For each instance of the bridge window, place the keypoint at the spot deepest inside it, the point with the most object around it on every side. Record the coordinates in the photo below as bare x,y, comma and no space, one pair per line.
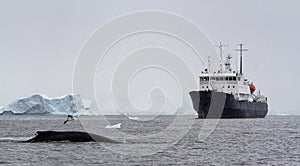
204,78
227,78
221,78
234,78
230,78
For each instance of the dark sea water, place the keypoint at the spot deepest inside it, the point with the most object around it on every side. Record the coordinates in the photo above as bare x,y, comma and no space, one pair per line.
274,140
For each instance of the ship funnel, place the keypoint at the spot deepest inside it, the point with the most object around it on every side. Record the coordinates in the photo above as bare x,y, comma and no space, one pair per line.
241,56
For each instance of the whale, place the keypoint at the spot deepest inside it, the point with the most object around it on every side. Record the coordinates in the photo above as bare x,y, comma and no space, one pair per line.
70,136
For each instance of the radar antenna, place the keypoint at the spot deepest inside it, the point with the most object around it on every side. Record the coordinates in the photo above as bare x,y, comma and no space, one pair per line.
228,63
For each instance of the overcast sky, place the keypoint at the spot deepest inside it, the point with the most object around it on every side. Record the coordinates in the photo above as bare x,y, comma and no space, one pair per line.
40,40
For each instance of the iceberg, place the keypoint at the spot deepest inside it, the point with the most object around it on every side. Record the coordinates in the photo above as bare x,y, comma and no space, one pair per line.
42,105
115,126
133,118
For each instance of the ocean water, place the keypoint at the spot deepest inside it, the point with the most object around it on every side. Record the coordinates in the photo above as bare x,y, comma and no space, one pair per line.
273,140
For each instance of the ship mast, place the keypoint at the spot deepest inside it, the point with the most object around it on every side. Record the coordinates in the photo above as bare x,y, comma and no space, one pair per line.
220,46
208,64
241,57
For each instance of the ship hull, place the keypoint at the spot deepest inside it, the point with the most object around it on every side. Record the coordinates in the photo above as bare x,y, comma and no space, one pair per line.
210,104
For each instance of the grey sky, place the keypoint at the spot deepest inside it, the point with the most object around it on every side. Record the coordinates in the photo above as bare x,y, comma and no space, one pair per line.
40,40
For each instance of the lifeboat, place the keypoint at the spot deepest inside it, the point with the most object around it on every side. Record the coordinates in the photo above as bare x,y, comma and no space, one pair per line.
252,88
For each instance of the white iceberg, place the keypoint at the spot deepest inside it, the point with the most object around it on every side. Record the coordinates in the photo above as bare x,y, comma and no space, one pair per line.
39,104
133,118
115,126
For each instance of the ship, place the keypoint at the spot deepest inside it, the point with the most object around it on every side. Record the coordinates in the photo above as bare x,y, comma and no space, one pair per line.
227,93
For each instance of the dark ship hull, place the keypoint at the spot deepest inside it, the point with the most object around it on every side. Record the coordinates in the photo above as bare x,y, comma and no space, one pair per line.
210,104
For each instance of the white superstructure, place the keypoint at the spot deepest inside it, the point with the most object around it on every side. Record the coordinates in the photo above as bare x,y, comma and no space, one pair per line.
229,81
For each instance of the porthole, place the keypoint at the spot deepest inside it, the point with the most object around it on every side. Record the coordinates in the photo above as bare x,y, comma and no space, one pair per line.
228,86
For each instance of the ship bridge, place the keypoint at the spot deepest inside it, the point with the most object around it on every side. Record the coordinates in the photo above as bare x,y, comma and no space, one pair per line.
231,83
